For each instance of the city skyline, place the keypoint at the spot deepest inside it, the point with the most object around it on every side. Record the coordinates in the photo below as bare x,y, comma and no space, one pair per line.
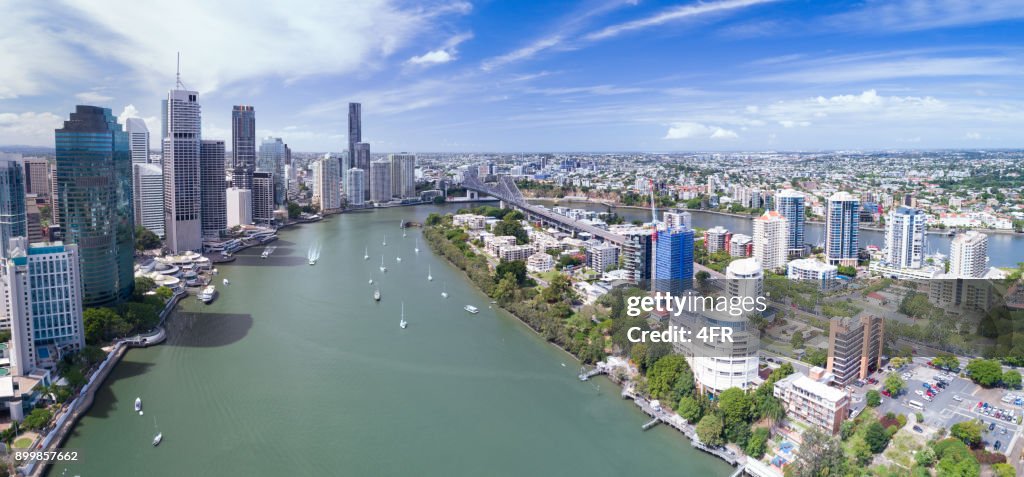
591,76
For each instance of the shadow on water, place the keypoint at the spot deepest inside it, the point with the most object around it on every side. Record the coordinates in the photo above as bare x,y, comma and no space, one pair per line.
105,401
207,330
274,260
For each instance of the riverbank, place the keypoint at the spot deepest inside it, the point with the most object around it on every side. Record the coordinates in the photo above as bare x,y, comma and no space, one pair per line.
748,216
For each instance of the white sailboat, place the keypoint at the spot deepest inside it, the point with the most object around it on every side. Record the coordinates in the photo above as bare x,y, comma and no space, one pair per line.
376,295
398,259
417,249
430,277
227,282
382,267
366,253
159,435
444,290
385,242
403,323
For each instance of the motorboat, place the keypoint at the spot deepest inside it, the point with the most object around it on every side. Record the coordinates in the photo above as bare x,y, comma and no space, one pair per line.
430,277
403,323
366,254
159,437
208,293
382,267
138,405
376,294
444,291
472,309
227,282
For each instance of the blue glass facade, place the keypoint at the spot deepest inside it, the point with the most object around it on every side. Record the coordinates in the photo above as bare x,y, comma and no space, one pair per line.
12,202
673,260
842,229
94,190
791,206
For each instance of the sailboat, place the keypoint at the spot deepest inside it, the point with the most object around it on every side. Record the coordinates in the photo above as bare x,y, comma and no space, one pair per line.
366,254
444,291
159,435
385,242
398,259
403,323
417,249
376,295
430,277
382,267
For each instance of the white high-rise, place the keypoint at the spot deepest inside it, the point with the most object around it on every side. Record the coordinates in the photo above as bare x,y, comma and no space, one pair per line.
771,240
326,190
41,290
354,193
239,206
148,187
138,140
905,237
677,218
181,161
380,181
744,278
403,175
968,255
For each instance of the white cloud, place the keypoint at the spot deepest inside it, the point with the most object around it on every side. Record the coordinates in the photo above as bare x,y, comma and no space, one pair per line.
152,122
229,42
34,58
692,130
910,15
973,135
860,69
447,52
526,52
671,14
93,97
28,128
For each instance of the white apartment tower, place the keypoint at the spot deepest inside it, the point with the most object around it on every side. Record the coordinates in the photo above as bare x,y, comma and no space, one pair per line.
239,206
905,237
148,187
326,190
771,240
403,175
181,161
138,140
968,255
354,181
380,181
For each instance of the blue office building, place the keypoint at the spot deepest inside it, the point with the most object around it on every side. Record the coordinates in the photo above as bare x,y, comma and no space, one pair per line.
12,200
842,229
790,204
673,260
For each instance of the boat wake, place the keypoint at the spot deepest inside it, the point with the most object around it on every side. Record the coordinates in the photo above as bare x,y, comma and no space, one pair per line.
314,253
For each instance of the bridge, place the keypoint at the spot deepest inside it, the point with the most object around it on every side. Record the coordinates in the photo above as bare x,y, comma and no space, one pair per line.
507,191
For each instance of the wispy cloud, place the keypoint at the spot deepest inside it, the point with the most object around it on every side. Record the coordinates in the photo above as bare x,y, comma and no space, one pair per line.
864,68
446,53
93,97
522,53
671,15
28,128
691,130
911,15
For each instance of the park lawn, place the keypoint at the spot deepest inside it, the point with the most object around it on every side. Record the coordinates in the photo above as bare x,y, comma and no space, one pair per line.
902,448
22,443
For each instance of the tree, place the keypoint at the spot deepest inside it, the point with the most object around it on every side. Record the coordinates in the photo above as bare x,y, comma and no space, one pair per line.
861,450
1003,470
558,289
735,407
821,455
874,398
37,419
968,432
709,430
662,376
145,239
876,437
702,279
512,228
294,210
439,200
689,409
986,372
798,340
516,267
756,445
1011,379
925,457
506,288
164,293
894,384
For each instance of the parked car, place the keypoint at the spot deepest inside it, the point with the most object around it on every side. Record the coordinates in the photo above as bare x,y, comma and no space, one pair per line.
996,447
918,429
958,398
886,393
991,426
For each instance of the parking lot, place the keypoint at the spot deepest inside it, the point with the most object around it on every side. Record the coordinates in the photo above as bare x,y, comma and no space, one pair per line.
945,410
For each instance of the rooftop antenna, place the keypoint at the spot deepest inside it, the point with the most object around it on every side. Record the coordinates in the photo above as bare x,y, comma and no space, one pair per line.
177,77
654,214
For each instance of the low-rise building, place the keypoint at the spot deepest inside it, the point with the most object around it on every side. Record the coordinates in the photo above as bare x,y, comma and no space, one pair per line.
740,245
470,221
540,262
813,402
509,253
810,269
494,243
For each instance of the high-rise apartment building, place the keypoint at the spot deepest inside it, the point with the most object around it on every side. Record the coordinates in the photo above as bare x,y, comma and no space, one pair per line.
380,181
148,189
677,218
744,278
403,175
181,166
354,193
968,255
842,229
13,222
239,206
637,255
790,204
716,239
855,347
213,186
355,134
42,301
37,178
273,154
771,240
33,219
673,260
138,140
94,190
905,237
262,197
243,146
361,160
326,189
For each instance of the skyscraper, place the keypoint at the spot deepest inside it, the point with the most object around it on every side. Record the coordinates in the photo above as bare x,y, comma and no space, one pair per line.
37,178
855,347
213,186
94,190
403,175
842,228
673,260
905,237
355,135
181,166
968,255
380,181
354,192
138,140
262,197
13,222
148,190
239,207
42,299
790,204
272,158
243,146
326,189
771,240
361,160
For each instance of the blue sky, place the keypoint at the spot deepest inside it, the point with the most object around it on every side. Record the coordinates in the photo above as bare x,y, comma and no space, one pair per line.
590,75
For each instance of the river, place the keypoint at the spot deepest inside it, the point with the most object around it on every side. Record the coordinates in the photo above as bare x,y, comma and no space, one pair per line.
1004,250
295,370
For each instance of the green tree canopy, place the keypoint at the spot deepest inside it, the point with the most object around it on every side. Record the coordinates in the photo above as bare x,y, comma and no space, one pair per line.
986,372
709,430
